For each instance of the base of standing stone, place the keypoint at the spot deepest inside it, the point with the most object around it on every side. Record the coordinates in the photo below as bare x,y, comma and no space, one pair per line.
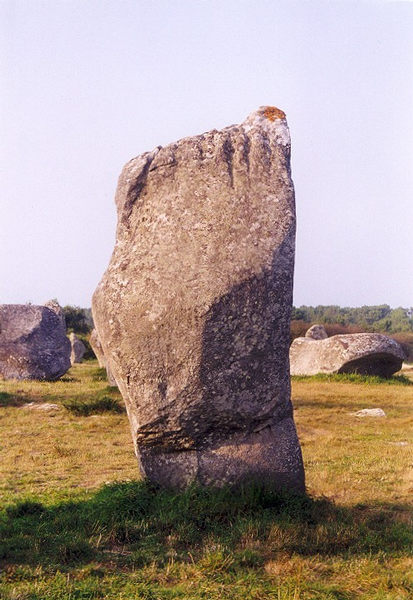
271,456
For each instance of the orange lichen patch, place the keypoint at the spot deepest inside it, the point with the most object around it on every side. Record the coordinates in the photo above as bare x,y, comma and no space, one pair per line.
272,113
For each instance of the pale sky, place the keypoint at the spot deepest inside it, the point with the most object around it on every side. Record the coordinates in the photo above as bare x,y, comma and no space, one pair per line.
87,85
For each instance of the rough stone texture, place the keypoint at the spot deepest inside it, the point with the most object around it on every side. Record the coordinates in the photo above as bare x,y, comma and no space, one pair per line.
363,353
193,312
78,349
316,332
33,342
94,341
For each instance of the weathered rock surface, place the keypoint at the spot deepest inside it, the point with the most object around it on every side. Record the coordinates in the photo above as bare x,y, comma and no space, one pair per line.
78,349
363,353
193,312
95,342
33,342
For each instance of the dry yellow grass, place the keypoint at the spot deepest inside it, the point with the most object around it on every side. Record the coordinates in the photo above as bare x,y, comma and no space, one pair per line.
347,459
55,450
351,459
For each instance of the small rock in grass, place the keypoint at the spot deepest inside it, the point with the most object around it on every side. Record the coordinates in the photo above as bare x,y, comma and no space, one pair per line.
370,412
42,406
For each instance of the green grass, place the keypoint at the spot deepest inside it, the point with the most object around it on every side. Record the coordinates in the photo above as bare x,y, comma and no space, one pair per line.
355,378
220,537
157,524
77,524
95,406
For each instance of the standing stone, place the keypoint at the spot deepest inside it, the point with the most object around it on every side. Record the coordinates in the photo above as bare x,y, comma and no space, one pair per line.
33,342
95,342
78,349
193,311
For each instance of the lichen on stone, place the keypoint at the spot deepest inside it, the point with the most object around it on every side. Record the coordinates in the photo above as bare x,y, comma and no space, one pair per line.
272,113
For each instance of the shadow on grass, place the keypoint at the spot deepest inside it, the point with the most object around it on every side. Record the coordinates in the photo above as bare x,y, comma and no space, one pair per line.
77,400
94,406
84,406
135,524
7,399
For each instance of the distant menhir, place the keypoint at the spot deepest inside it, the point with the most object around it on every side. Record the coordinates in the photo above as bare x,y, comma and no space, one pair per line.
33,342
78,349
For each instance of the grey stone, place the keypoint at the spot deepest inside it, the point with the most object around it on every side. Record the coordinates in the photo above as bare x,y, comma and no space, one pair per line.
363,353
78,349
98,350
33,342
316,332
193,311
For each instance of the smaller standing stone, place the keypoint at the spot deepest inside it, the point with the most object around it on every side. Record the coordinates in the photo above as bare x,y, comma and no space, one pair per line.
78,349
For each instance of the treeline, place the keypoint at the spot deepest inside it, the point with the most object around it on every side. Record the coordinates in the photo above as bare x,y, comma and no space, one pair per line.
380,318
396,322
79,320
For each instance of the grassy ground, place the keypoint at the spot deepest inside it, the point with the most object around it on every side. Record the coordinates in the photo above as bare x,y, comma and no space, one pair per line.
76,524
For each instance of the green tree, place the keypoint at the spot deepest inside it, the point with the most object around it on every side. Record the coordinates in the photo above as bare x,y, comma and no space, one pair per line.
78,320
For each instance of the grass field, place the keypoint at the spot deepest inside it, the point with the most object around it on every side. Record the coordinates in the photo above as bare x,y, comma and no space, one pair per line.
76,524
